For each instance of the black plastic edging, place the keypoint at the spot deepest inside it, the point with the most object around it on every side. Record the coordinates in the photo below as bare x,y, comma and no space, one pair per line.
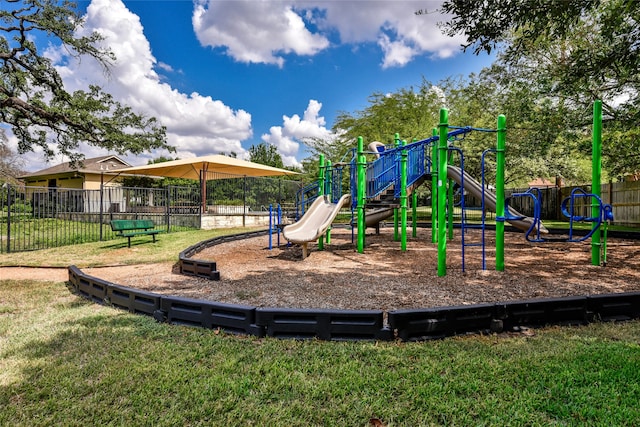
338,325
195,267
133,300
352,325
91,287
334,325
211,315
436,323
208,269
612,307
541,312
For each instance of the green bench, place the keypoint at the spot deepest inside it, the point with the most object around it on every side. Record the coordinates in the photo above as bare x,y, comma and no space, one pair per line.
134,227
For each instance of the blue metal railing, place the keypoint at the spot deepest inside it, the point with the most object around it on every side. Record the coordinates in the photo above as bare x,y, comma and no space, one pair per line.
418,164
570,208
605,212
304,197
384,172
381,175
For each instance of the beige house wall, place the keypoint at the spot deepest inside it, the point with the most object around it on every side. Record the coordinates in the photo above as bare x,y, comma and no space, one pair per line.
81,182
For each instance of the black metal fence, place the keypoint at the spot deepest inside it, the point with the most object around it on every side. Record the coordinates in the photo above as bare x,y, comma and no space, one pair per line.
232,194
34,218
40,217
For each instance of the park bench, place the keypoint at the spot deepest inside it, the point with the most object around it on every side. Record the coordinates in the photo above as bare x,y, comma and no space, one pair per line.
134,227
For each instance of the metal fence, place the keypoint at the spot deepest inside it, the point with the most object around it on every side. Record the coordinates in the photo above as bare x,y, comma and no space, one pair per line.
34,218
232,195
40,217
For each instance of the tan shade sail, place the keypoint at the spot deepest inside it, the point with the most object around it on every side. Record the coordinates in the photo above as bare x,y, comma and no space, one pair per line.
191,168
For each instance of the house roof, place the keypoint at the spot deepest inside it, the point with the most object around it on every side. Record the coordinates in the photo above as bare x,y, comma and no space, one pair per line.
542,182
95,165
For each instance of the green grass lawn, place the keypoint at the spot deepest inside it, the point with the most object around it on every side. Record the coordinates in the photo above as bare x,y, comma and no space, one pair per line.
166,249
67,361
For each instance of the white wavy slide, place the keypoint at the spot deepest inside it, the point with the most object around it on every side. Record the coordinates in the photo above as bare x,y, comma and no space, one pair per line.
315,222
475,188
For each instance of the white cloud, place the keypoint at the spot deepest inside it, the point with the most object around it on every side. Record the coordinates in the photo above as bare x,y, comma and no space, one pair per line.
255,31
262,31
287,138
396,53
394,25
166,67
196,124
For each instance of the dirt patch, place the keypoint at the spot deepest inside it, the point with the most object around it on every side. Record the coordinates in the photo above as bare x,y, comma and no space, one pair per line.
386,278
53,274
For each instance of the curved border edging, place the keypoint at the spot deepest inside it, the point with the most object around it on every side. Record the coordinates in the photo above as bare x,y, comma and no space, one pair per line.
243,319
351,325
208,269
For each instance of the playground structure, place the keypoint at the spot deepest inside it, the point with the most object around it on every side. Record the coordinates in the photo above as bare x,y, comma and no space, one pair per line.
381,188
411,324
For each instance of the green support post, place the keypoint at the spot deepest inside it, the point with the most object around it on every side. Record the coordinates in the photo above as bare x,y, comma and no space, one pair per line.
434,189
361,193
450,209
328,187
596,177
321,189
403,198
396,219
501,142
442,192
321,175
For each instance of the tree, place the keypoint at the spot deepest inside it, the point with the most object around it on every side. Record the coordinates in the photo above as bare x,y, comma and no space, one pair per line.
569,53
10,163
537,143
34,102
488,23
266,154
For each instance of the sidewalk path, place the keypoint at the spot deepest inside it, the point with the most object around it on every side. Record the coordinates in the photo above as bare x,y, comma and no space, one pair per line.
53,274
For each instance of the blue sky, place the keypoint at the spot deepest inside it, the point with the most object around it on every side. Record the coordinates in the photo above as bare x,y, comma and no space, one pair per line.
225,75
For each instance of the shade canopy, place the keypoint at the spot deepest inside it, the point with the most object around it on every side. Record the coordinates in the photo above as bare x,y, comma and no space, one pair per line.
194,167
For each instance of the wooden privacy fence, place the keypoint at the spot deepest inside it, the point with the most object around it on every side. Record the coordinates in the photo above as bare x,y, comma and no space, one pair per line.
625,199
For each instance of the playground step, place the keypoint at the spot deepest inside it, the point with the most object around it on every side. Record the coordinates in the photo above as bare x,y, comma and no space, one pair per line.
473,226
383,204
472,244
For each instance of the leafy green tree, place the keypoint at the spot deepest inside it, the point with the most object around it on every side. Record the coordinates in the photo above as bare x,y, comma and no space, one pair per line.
412,112
542,140
266,154
489,23
568,53
538,145
10,163
33,99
